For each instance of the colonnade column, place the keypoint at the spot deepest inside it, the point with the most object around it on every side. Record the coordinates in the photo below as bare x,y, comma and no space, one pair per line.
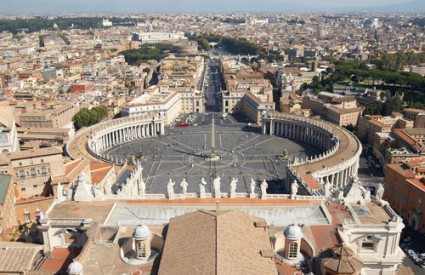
271,127
162,128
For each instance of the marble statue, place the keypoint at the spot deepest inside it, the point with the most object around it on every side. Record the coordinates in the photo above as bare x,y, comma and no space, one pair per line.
201,191
264,187
252,186
107,187
327,188
170,189
142,187
379,191
203,181
233,185
202,188
216,184
59,192
184,186
294,188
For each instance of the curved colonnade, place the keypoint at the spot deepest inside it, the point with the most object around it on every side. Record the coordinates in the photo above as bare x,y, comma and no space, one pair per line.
337,164
108,134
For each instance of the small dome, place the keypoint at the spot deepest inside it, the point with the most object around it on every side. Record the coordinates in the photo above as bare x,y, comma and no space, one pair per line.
75,268
141,232
293,232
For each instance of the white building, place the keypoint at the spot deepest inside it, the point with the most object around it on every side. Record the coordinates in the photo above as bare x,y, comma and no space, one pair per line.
8,135
157,37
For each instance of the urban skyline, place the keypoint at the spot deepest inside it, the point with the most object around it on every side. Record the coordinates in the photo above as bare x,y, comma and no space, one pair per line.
192,141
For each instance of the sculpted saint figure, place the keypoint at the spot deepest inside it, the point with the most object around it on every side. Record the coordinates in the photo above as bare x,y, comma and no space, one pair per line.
379,191
216,184
170,189
233,184
252,186
264,187
294,188
184,186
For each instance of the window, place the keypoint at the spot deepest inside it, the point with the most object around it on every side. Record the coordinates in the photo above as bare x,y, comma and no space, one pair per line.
35,186
33,173
21,173
141,251
367,246
43,170
27,215
293,250
23,189
42,160
20,164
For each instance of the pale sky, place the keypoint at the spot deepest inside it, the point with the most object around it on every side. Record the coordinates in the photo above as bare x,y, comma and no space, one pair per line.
147,6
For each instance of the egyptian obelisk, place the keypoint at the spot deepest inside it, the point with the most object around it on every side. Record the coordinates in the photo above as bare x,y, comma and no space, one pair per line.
213,154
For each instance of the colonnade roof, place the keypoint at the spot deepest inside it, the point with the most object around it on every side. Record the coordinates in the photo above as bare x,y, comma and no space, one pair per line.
348,146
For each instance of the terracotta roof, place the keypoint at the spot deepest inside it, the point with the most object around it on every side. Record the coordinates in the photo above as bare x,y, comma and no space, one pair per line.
407,138
210,242
99,170
419,183
6,158
343,261
311,183
72,170
413,110
7,116
17,257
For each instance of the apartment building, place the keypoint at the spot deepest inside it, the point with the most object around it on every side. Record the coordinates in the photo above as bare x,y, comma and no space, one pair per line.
405,191
247,91
416,115
32,170
7,206
172,102
8,136
338,109
52,116
371,124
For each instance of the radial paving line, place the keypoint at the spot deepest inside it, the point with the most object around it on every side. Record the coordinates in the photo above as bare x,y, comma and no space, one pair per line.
247,142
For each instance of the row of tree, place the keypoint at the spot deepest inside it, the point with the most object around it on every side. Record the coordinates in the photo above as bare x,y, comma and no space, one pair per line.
392,104
38,23
43,23
396,62
146,52
234,46
358,71
86,117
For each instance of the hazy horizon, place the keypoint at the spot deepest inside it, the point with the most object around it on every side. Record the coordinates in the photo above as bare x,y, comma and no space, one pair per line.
168,6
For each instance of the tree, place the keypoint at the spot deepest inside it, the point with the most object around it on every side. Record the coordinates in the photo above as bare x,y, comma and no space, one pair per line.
86,117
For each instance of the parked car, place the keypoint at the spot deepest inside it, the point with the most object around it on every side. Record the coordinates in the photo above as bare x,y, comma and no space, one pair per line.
412,254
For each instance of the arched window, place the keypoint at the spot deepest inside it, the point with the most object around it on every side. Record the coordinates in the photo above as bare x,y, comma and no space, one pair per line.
33,172
43,170
293,250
